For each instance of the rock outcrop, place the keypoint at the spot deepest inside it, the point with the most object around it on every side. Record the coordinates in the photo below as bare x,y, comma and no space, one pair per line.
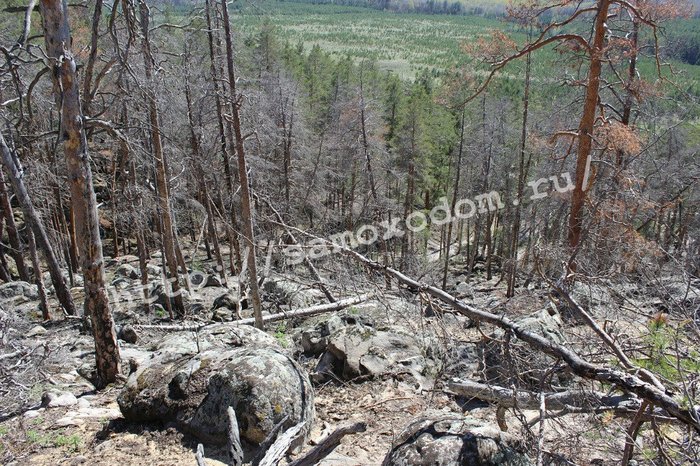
447,440
239,367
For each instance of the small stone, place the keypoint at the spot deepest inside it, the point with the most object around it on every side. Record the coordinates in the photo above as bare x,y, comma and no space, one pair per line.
36,331
58,399
213,281
83,403
68,421
128,334
33,413
222,315
127,271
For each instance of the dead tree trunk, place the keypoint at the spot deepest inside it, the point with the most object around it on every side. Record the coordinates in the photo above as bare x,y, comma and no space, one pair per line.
246,211
522,173
57,37
586,127
167,232
453,204
16,174
43,303
15,245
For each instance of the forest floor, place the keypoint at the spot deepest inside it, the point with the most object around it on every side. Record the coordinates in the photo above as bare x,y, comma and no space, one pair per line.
77,425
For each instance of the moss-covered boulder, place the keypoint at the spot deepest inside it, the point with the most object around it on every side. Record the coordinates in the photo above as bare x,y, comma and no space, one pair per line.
245,371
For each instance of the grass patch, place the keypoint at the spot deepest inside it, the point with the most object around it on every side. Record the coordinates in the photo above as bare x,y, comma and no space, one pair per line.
281,336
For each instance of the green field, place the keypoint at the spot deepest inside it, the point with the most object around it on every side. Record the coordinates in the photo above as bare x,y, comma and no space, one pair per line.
407,43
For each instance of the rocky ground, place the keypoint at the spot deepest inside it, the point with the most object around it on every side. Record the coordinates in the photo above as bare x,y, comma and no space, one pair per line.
385,362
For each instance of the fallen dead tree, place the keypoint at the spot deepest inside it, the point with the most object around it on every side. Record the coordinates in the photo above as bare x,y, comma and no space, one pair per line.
625,381
310,311
526,399
569,401
304,312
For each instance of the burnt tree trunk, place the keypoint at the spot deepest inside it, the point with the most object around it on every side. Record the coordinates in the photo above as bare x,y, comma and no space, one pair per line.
57,37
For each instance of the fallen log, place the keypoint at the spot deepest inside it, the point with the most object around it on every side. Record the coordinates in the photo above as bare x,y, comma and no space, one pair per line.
304,312
525,399
309,311
282,445
626,382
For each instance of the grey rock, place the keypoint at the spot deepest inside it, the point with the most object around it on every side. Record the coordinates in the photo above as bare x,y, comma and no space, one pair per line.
225,335
262,384
314,340
127,271
197,278
360,350
54,399
447,440
35,331
213,281
510,361
128,334
154,272
223,315
18,292
461,359
121,283
463,289
289,293
227,300
159,296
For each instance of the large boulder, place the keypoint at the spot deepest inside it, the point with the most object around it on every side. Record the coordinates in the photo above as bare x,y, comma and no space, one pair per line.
509,361
240,367
359,350
314,340
224,335
447,440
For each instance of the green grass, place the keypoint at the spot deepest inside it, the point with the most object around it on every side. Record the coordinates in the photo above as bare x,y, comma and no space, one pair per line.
281,335
409,43
72,442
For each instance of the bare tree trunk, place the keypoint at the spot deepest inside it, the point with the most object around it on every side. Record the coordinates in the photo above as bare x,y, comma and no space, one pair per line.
246,211
453,204
90,66
586,128
15,245
14,169
4,274
370,176
57,37
167,232
522,173
43,303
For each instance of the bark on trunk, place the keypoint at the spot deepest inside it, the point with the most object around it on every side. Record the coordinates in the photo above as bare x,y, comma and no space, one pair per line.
586,128
246,211
161,168
57,37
